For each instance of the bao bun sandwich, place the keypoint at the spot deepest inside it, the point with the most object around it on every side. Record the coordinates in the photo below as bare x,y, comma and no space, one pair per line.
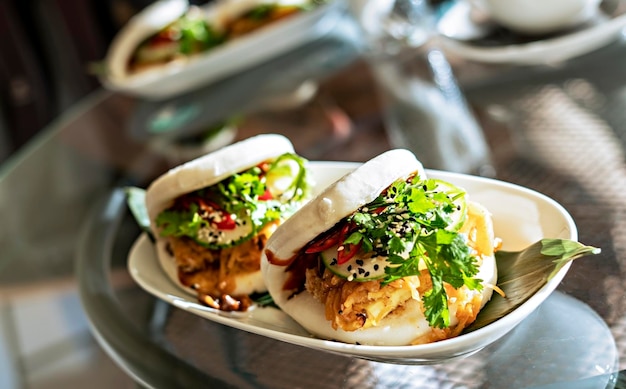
384,256
193,30
212,216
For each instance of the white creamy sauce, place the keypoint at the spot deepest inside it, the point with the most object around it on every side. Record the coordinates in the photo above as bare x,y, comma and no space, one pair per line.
357,268
224,237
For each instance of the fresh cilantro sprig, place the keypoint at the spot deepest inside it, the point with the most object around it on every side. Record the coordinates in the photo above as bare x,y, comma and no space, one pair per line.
413,224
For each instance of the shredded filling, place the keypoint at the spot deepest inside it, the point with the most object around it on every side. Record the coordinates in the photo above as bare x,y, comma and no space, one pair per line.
351,306
213,273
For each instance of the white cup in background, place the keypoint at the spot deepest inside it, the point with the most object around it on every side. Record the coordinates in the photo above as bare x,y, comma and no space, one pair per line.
535,17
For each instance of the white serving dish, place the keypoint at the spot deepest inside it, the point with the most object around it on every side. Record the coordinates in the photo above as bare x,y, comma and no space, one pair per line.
521,217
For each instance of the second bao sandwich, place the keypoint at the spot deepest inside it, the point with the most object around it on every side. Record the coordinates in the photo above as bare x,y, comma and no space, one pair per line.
384,256
212,216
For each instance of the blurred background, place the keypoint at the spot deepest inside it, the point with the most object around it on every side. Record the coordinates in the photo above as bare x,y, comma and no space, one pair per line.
48,55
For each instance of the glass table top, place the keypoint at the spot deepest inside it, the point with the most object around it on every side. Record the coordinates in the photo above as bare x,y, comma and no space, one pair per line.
560,130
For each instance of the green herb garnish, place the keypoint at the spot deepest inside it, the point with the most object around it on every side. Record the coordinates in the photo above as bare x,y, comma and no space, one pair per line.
521,274
415,225
257,196
196,35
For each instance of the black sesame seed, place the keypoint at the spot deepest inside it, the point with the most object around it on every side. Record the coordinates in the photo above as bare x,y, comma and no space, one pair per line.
376,267
361,270
359,262
367,274
349,267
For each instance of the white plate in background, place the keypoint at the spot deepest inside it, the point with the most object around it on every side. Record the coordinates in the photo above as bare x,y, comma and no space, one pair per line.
603,29
224,60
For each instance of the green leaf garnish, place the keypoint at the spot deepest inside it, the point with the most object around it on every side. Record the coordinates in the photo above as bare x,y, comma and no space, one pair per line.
521,274
564,251
136,200
181,223
415,224
436,305
241,195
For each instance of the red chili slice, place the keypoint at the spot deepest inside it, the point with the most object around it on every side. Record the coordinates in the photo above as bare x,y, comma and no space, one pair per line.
324,243
380,209
349,251
267,195
227,222
330,240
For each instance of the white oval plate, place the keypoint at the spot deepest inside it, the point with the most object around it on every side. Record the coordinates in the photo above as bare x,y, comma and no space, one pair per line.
521,217
605,29
227,59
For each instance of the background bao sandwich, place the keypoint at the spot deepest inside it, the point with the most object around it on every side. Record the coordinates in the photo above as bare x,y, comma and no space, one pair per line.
212,216
193,30
384,256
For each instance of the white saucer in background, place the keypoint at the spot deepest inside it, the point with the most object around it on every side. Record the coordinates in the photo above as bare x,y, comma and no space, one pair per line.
456,23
